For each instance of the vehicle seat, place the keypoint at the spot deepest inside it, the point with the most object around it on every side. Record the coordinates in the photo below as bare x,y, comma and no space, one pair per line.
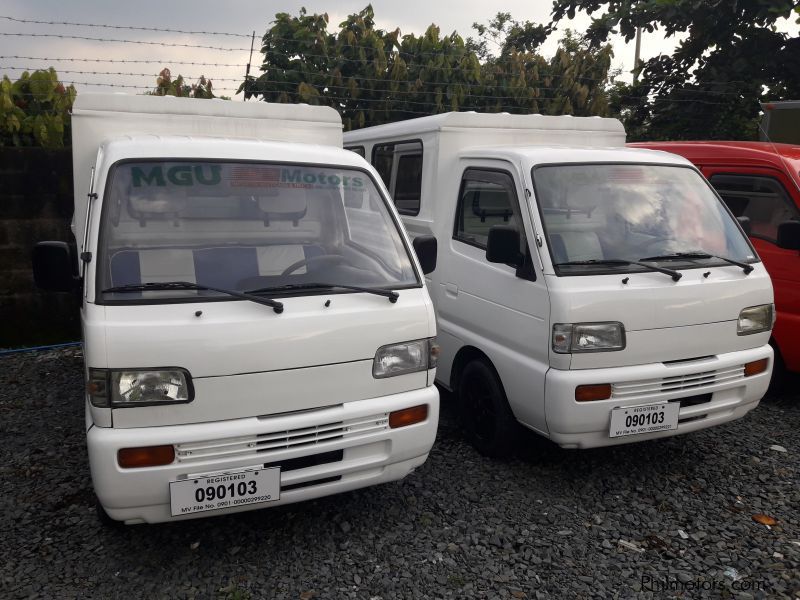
146,266
576,245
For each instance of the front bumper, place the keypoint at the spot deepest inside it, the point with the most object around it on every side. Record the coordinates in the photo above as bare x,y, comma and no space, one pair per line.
712,391
365,450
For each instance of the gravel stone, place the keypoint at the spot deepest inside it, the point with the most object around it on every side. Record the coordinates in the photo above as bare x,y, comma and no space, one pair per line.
544,524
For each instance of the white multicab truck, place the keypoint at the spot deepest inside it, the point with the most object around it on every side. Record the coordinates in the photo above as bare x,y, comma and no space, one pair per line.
596,294
256,327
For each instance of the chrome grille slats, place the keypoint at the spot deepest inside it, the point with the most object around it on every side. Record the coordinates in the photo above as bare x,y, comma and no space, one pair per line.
677,383
262,445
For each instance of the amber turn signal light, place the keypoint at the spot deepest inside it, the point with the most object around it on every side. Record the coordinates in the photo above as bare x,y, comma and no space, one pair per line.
408,416
756,367
587,393
148,456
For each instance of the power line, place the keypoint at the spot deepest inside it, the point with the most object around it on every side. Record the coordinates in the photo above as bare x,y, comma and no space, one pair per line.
92,39
110,60
127,74
67,23
122,85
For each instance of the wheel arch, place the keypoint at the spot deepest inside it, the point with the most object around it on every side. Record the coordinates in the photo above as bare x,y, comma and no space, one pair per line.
464,356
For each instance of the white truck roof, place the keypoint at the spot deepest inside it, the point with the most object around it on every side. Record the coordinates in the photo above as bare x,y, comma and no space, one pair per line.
99,118
575,154
489,129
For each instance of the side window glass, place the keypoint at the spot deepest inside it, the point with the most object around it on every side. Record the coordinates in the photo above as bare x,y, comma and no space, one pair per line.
358,150
486,198
382,157
408,184
762,199
400,166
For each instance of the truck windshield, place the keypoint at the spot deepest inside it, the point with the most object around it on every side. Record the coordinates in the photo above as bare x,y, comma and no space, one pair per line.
601,218
244,226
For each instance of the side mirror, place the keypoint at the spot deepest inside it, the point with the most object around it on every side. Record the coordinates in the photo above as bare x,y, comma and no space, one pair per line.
789,235
745,223
53,268
426,248
503,246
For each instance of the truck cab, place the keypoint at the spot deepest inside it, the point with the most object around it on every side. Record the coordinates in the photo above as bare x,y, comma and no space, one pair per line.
760,182
256,327
595,294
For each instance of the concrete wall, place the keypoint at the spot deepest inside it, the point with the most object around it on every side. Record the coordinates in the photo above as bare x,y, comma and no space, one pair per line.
35,205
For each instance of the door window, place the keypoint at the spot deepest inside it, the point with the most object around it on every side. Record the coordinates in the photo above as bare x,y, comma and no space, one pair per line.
486,198
763,199
400,166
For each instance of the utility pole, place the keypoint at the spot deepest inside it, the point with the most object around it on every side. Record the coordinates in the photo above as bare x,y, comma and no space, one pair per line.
636,55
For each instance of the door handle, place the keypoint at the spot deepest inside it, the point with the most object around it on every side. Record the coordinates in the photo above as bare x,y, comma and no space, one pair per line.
451,289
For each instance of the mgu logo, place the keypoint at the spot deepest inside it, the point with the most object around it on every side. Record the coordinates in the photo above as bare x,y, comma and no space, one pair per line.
178,175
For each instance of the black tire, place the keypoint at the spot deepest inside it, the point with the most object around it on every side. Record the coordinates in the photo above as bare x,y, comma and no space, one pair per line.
778,381
486,417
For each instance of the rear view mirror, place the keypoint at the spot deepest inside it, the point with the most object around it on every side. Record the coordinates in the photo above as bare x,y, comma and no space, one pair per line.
426,248
745,223
789,235
53,268
503,246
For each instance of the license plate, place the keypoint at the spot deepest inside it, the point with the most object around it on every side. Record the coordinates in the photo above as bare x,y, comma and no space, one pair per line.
243,487
647,418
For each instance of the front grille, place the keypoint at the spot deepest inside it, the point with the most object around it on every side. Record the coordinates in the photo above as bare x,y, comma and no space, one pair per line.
305,484
677,383
303,462
262,445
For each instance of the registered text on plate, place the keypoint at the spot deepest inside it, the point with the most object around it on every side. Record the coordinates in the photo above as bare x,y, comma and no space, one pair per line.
225,490
647,418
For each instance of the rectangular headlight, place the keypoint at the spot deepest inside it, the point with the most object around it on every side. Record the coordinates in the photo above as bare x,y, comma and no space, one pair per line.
120,389
406,357
588,337
756,319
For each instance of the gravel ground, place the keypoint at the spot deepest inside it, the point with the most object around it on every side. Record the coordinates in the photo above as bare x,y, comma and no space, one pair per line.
671,518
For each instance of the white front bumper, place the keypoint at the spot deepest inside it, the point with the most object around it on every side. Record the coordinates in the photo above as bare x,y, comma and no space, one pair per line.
372,453
573,424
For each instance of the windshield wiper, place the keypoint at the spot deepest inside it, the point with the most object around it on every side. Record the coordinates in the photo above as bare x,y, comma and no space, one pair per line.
618,261
391,295
185,285
700,254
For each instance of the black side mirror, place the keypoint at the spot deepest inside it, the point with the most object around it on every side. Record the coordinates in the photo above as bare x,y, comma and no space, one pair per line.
789,235
503,246
745,223
426,248
53,267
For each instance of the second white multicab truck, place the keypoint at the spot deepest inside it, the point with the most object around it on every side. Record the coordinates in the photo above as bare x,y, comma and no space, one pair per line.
596,294
256,327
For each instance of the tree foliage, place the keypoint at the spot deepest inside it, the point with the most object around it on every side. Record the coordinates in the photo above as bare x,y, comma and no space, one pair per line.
167,86
372,76
732,58
34,110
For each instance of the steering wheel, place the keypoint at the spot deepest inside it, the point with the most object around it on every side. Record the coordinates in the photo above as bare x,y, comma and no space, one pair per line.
322,259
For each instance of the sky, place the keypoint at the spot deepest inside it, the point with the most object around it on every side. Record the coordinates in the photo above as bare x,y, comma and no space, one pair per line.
241,17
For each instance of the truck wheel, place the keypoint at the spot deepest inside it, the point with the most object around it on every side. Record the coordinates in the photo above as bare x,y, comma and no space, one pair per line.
487,419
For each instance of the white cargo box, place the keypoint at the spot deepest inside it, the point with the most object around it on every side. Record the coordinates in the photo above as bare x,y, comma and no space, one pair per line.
97,118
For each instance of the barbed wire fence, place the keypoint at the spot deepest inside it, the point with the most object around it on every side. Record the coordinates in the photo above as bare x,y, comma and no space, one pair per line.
143,80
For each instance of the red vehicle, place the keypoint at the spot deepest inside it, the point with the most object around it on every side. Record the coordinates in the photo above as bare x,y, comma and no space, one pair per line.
760,183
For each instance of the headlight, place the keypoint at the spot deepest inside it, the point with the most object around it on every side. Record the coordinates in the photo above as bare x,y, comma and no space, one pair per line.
588,337
120,389
756,319
406,357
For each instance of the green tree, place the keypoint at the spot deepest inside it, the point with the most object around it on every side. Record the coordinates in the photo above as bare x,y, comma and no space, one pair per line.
372,76
732,58
574,81
167,86
34,110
